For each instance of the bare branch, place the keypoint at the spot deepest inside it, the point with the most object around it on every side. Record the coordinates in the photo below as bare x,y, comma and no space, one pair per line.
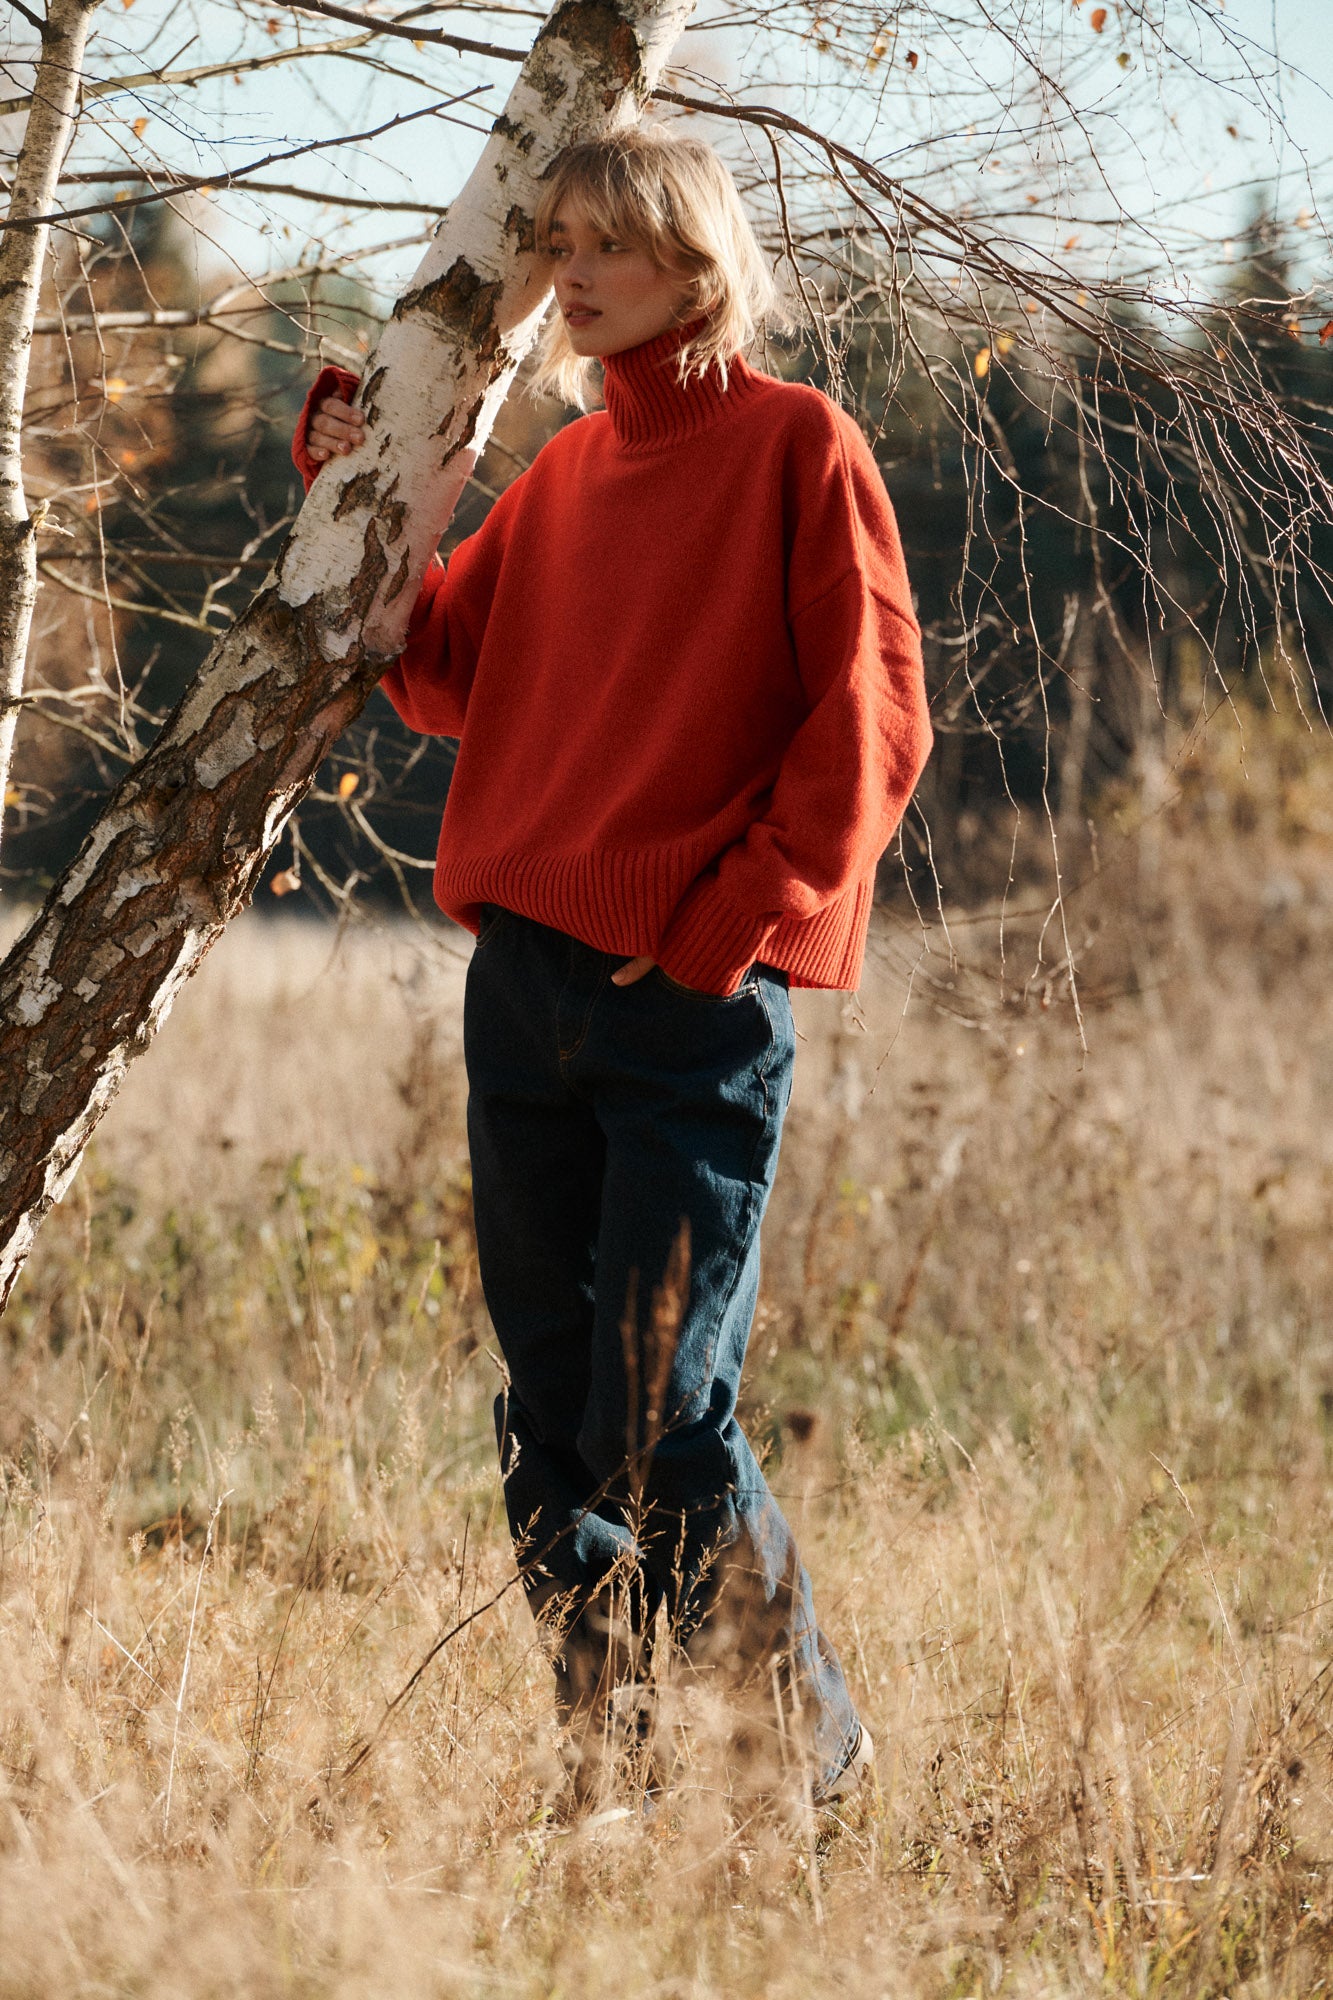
235,177
290,189
112,86
439,37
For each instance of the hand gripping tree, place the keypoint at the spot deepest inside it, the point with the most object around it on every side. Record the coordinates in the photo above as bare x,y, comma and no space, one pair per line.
185,836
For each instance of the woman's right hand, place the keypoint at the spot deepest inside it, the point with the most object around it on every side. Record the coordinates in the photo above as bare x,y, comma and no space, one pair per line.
334,430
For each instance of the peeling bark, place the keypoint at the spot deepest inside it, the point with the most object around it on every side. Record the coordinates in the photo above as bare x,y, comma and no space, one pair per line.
46,139
184,838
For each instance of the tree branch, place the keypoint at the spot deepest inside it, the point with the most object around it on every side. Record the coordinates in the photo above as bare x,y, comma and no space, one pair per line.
236,176
290,189
146,79
33,20
436,37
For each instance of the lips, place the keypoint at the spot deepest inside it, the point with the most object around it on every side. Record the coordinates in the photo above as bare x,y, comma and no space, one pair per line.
579,315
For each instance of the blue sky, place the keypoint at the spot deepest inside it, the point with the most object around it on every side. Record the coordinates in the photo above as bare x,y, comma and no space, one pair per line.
1181,141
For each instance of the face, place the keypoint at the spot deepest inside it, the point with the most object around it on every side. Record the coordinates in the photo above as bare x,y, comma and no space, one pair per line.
611,295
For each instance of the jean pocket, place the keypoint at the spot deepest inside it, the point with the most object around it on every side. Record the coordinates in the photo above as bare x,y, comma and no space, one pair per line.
748,986
491,913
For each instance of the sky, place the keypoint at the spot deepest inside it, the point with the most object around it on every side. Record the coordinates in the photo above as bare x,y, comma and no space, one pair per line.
1245,102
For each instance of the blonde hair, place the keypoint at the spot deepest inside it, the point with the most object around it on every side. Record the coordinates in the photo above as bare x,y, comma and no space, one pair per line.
675,199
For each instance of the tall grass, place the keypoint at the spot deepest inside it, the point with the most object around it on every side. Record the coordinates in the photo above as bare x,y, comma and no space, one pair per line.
1044,1372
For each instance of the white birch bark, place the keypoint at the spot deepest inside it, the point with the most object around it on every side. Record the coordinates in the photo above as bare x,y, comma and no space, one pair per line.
186,834
46,137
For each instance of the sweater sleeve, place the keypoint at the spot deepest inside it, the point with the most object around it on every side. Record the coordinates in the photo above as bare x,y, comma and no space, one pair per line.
329,382
850,768
428,683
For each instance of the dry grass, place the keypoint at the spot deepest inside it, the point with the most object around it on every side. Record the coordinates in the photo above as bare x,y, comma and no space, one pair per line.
1045,1365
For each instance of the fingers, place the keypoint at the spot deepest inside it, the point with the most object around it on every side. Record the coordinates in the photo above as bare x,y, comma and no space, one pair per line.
334,429
633,971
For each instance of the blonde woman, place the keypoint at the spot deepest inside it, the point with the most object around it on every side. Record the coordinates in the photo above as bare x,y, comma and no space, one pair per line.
682,664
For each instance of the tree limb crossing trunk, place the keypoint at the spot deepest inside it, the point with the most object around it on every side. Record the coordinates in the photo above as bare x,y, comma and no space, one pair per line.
46,137
183,840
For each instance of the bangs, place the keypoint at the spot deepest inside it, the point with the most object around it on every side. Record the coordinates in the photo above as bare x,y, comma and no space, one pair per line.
617,203
674,199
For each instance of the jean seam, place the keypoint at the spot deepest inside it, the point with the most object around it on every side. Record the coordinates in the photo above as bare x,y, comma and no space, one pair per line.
746,1233
563,1055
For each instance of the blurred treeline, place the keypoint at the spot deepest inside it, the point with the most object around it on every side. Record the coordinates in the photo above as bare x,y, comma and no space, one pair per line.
1079,574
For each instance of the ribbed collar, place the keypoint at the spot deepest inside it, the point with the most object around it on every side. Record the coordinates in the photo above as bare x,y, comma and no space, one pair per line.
650,407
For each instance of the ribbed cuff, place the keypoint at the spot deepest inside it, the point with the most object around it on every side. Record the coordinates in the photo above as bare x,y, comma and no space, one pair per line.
329,381
709,943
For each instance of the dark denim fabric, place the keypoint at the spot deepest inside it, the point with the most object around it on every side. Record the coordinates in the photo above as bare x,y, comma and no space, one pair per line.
624,1141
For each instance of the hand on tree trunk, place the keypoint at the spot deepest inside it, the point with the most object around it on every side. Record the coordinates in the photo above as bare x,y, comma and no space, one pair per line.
336,428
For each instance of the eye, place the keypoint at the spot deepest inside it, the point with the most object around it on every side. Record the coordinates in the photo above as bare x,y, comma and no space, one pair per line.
610,243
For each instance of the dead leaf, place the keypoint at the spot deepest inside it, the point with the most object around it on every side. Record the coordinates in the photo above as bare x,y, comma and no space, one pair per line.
1326,333
912,58
981,363
283,884
1097,20
139,127
347,784
114,388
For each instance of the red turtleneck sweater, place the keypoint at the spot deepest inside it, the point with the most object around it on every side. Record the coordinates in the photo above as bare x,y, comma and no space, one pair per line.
681,661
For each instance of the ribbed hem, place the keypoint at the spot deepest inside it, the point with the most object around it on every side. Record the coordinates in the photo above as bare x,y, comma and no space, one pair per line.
650,407
653,903
617,902
828,950
709,943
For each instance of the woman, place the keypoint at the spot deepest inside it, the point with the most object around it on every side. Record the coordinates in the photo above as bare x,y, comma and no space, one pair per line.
682,664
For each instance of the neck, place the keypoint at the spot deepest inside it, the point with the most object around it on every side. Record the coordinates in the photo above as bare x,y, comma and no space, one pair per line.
650,406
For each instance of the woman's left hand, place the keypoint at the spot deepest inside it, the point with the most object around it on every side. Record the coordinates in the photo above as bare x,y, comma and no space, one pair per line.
634,969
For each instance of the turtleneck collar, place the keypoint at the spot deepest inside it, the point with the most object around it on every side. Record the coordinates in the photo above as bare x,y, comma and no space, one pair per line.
650,407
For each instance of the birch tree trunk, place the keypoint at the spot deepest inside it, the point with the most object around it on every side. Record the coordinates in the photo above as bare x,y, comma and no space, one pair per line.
46,137
184,838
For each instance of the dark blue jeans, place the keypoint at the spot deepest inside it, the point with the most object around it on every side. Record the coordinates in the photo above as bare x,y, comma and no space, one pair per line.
624,1141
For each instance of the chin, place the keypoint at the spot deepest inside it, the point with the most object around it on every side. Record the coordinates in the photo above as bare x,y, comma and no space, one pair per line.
590,342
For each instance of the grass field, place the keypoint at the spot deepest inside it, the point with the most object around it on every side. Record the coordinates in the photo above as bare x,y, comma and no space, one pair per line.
1044,1369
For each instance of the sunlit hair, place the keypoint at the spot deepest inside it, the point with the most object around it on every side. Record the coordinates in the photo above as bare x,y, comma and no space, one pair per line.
675,199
